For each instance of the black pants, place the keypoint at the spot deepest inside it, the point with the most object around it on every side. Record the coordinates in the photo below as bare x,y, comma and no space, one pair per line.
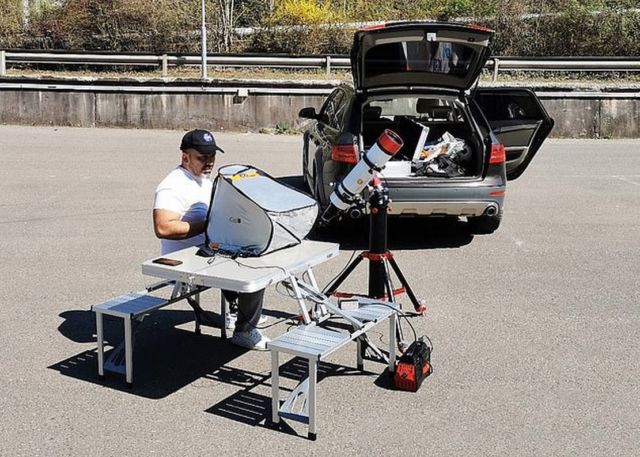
247,305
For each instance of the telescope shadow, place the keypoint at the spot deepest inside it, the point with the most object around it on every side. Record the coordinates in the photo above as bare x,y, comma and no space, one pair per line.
160,365
402,233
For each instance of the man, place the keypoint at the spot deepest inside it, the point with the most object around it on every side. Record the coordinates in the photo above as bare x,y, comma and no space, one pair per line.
179,220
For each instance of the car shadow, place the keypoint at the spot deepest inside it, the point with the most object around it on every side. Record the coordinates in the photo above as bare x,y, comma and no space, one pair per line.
402,233
406,233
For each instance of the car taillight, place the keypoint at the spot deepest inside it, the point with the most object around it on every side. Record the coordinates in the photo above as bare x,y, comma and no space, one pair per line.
498,154
345,153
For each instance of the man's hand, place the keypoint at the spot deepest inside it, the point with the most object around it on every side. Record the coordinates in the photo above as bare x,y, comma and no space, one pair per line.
168,225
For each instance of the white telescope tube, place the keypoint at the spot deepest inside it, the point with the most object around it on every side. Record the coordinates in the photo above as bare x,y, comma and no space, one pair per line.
354,183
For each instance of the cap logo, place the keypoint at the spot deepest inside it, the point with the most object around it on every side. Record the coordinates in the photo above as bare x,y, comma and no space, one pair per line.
207,137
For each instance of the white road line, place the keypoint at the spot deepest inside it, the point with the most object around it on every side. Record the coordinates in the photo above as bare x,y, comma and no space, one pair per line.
600,176
625,179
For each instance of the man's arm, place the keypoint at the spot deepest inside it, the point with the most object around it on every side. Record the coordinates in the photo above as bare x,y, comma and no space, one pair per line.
168,225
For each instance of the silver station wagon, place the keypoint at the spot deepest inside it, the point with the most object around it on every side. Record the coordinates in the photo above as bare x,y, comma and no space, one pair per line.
461,145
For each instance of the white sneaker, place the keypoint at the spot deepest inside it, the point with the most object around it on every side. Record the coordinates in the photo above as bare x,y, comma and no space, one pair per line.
231,318
230,321
252,339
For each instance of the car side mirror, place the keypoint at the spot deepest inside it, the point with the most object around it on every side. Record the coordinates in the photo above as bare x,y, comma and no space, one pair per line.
308,113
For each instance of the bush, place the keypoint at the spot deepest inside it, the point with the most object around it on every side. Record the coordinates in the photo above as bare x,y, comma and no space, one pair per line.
11,27
557,27
319,33
119,25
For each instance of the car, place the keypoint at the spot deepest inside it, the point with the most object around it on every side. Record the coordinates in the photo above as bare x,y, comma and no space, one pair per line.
419,79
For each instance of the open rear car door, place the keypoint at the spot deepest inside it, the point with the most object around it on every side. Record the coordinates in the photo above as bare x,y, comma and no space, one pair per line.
520,122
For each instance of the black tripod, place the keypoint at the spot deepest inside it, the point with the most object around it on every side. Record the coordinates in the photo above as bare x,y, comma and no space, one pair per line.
380,284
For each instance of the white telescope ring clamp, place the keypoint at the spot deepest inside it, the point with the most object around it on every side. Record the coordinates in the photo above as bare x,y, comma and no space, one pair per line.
374,160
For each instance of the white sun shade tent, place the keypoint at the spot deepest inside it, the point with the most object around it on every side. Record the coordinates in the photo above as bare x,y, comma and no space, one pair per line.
253,214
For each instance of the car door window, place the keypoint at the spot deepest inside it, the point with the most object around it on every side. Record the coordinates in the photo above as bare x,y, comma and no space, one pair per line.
333,110
520,122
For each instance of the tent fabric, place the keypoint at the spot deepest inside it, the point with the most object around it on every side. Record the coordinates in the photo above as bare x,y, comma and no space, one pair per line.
252,214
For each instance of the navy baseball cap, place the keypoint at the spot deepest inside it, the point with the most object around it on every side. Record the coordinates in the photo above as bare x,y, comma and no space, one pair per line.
200,140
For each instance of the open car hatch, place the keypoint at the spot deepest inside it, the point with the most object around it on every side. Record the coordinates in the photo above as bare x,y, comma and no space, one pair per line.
432,54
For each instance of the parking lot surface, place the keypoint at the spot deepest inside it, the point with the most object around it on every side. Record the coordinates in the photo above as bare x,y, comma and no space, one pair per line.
535,327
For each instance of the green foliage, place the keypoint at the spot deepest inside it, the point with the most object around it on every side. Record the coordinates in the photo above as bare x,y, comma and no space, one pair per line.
303,27
523,27
308,12
10,23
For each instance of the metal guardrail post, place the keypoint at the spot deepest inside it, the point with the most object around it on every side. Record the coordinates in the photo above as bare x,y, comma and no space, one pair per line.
3,63
165,65
496,66
328,65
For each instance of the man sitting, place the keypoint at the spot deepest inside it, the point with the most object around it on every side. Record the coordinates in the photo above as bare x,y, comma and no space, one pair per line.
179,220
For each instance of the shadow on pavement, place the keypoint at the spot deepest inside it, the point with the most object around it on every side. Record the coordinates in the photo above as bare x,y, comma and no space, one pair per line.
403,233
251,408
160,365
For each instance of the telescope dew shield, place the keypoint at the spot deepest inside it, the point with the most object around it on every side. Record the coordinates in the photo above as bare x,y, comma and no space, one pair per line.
386,146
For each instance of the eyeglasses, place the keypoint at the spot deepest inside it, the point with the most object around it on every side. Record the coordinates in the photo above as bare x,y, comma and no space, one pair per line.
205,158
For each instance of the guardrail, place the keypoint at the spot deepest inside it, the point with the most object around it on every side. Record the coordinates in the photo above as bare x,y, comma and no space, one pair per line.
164,61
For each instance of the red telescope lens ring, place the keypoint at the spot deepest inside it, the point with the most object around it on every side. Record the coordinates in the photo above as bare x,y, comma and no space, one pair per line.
390,142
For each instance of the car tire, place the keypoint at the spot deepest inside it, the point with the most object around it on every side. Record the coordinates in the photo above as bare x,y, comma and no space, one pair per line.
484,225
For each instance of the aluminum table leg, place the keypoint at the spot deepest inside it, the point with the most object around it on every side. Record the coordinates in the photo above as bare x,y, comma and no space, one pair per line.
128,351
275,388
100,337
313,380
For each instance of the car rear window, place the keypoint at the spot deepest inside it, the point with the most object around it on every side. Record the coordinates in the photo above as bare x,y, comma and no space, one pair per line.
433,109
441,57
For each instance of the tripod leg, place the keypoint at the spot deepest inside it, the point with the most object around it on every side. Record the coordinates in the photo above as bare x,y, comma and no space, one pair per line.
340,279
419,307
402,345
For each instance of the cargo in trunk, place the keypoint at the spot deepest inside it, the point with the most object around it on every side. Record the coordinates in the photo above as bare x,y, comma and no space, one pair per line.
439,140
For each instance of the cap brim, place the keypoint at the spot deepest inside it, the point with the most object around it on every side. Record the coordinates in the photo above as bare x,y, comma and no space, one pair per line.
207,149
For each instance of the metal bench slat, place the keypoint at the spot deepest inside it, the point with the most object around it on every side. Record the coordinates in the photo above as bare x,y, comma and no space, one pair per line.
371,313
132,304
309,341
330,335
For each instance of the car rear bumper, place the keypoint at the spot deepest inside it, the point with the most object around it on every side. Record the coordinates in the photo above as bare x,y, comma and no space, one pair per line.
446,208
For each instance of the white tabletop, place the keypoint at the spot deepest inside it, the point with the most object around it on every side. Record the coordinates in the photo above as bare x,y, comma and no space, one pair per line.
242,274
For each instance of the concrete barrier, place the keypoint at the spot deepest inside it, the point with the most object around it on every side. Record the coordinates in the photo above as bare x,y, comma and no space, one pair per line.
251,106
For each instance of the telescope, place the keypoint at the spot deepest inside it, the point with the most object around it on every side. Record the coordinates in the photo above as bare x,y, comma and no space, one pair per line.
381,260
374,160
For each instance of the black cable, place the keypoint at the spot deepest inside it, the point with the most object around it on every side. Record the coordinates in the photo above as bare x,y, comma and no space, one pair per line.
402,315
259,268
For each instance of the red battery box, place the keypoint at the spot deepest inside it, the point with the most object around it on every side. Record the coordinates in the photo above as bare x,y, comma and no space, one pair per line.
413,367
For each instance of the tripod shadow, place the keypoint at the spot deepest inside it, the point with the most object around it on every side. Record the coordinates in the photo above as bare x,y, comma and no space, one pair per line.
160,365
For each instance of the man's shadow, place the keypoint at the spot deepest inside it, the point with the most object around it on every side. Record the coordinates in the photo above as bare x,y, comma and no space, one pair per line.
406,233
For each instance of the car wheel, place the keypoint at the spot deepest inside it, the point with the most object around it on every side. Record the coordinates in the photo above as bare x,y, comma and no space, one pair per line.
484,225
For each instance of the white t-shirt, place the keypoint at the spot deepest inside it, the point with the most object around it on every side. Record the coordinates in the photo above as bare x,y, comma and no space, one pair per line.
187,195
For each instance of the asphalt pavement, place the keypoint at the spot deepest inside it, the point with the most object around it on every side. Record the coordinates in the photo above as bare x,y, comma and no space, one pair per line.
535,328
